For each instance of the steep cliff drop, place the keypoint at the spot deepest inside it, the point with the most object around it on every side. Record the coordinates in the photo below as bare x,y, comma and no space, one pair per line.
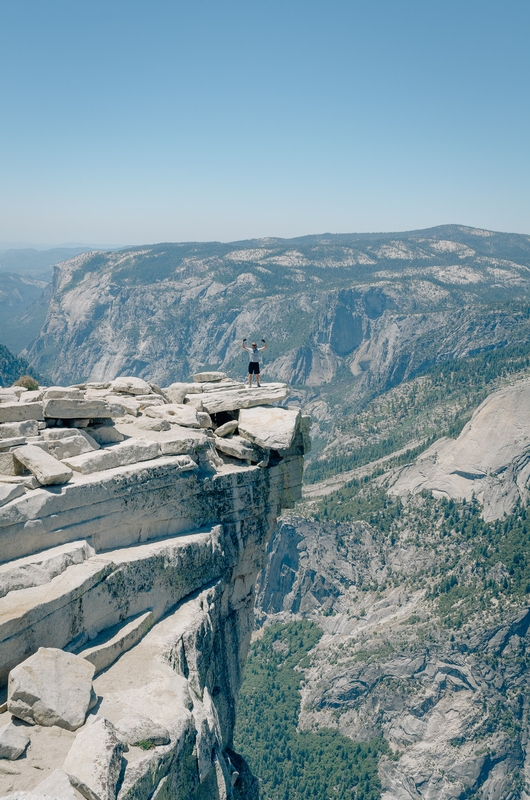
133,523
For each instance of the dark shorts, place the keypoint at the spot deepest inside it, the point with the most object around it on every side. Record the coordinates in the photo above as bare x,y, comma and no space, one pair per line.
253,368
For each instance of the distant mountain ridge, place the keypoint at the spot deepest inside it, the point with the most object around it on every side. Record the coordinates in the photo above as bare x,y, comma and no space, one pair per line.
24,276
164,310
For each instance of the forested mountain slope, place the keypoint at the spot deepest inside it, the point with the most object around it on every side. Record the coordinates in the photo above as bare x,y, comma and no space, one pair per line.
424,607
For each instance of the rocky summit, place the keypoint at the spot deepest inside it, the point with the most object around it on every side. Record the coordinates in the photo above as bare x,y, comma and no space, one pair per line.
132,528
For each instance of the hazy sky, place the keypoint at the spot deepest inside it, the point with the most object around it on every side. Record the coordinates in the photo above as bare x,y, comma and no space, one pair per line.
125,121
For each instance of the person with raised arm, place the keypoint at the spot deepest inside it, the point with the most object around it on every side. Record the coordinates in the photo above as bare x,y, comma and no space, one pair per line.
253,362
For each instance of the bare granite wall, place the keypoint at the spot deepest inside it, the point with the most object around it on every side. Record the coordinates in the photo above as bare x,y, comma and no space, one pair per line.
146,571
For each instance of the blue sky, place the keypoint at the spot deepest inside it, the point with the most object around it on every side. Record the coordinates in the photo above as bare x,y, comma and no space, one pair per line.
128,122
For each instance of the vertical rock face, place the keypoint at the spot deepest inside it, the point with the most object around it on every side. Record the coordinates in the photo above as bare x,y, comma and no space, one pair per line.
159,598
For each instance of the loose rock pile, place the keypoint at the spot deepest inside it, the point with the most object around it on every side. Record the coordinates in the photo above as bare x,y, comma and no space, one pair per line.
48,435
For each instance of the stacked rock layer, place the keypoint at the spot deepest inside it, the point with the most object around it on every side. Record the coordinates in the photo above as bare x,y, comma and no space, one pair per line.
133,521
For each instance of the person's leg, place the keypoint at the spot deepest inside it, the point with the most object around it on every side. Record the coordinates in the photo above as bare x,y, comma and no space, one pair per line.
258,376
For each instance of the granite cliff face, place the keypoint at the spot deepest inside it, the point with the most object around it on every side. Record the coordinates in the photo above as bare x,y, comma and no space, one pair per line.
376,308
490,460
130,543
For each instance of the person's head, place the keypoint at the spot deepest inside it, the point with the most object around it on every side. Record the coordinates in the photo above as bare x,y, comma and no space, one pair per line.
253,344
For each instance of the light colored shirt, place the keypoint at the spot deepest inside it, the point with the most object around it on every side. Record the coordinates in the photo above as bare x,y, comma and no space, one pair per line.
254,353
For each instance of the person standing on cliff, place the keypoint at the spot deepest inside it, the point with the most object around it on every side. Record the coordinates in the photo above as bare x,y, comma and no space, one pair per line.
253,363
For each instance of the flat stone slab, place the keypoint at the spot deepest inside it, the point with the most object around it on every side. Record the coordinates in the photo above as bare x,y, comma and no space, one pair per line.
51,687
74,445
98,384
95,760
176,414
10,491
16,441
175,441
47,469
232,399
130,385
205,377
13,741
151,424
17,412
29,427
226,383
63,391
272,428
27,480
31,397
133,450
67,408
104,651
42,567
95,461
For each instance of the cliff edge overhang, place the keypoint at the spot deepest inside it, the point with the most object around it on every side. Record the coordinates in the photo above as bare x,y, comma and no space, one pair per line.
133,523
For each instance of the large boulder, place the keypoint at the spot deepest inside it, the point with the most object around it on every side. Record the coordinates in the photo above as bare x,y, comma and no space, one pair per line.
47,469
73,408
273,428
136,728
237,448
51,687
228,428
231,399
13,741
94,762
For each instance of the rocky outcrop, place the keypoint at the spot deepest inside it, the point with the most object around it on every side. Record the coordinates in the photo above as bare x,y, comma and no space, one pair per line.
127,588
490,460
